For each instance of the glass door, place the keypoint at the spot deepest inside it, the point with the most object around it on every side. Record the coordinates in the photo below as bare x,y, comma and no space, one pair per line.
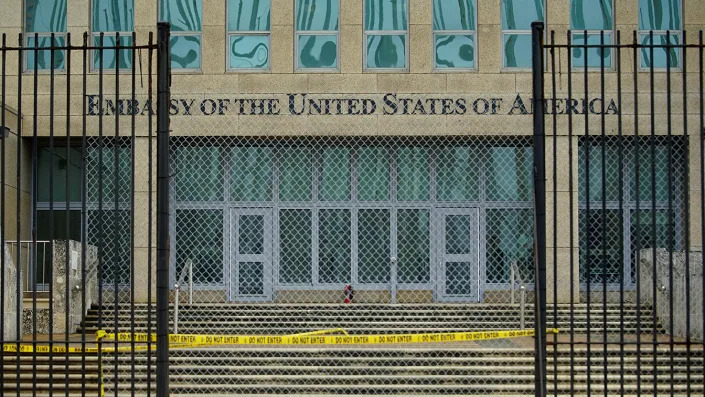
458,252
250,255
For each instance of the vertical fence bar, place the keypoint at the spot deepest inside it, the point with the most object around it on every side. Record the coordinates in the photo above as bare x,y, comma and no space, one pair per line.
539,209
620,156
554,117
571,209
603,214
84,214
669,219
588,258
637,179
652,146
686,203
150,181
701,47
18,207
33,210
116,146
101,251
67,212
51,212
3,228
163,94
133,175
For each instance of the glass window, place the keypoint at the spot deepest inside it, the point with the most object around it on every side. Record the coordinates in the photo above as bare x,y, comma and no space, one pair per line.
664,19
64,162
517,16
454,34
373,174
110,231
185,17
386,34
611,178
509,174
201,164
597,18
295,181
251,173
335,174
110,17
413,246
373,245
509,238
317,34
334,246
603,245
205,248
41,19
248,34
101,176
413,174
295,246
457,174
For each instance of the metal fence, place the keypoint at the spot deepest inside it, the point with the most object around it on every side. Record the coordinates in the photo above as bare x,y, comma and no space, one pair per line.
625,211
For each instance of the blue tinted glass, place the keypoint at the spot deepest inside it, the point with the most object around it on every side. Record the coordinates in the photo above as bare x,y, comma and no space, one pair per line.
318,51
387,51
184,15
185,52
109,54
595,55
43,58
518,14
386,15
660,15
113,15
517,51
249,52
660,52
317,14
591,14
455,51
454,15
249,15
43,16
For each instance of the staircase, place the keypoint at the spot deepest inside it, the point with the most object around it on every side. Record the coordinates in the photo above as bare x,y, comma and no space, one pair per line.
494,367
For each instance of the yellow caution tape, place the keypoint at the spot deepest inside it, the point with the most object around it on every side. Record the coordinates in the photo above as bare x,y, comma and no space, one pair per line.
321,337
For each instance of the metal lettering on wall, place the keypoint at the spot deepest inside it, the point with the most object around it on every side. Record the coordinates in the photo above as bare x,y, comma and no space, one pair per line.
378,104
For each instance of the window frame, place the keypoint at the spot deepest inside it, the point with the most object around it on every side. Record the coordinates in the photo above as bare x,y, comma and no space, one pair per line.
94,35
597,32
27,36
644,33
366,33
502,32
298,33
230,33
435,32
180,33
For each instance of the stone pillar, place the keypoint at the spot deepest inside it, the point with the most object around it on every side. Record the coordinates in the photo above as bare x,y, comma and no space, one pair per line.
558,242
11,305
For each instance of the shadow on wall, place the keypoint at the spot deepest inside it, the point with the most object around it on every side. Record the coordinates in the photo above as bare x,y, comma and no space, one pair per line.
679,293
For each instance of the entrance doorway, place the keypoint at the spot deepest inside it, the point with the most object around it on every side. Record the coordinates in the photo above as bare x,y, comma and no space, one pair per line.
250,255
459,254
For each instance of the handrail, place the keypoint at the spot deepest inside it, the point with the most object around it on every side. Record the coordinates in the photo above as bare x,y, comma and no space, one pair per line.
177,289
25,267
514,276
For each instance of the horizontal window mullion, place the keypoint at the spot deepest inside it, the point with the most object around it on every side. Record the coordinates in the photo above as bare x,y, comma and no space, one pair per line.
317,32
451,32
249,33
387,32
181,33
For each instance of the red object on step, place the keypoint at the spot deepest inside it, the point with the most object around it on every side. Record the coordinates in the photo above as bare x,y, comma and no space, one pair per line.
348,294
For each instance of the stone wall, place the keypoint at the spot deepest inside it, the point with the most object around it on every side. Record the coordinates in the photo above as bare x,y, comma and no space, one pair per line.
10,303
63,273
679,293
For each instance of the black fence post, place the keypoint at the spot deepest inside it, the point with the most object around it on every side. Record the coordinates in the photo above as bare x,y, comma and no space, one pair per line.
539,209
163,93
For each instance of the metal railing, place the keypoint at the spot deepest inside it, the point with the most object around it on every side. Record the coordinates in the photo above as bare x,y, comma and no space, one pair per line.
177,289
35,277
514,279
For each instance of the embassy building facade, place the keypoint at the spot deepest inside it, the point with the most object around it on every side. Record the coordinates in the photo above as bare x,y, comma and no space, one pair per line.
382,144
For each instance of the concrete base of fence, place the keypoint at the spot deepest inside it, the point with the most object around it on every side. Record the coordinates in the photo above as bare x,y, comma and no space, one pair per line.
63,273
10,302
662,296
